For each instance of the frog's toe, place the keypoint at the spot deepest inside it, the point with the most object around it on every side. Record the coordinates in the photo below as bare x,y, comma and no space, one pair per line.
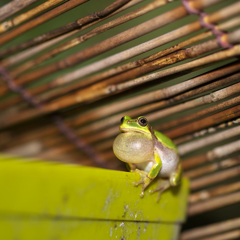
142,194
135,184
160,189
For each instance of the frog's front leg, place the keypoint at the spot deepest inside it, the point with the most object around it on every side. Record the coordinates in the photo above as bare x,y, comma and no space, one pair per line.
148,177
173,181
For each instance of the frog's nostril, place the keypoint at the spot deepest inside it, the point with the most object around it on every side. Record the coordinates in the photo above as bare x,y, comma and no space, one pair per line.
122,119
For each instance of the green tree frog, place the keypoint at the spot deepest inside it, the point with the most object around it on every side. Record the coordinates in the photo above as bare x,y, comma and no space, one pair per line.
148,152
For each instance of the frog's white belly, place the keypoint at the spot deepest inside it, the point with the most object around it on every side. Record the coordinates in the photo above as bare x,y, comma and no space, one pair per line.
169,158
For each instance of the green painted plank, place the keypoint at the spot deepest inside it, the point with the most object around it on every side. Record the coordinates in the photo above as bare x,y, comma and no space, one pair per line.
71,229
56,190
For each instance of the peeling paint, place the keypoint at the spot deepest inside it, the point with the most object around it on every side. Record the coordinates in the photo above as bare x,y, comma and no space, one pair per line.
122,224
125,210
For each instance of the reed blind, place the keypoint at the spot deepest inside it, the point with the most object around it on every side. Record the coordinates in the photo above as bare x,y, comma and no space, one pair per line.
69,70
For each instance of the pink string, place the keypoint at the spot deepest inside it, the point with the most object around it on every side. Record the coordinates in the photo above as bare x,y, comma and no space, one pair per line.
62,126
218,33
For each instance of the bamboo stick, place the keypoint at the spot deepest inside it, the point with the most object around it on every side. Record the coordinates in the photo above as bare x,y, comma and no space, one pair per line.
37,150
25,150
206,99
155,95
107,62
212,204
58,148
90,94
212,167
126,36
47,148
38,133
80,39
235,234
213,192
214,119
23,55
20,57
194,161
210,229
114,130
55,152
222,151
214,178
42,38
98,91
44,132
110,161
164,93
175,57
159,41
5,26
72,159
79,142
221,136
213,97
72,26
101,124
211,155
223,164
183,120
202,61
63,128
41,19
13,7
46,140
145,98
53,140
208,130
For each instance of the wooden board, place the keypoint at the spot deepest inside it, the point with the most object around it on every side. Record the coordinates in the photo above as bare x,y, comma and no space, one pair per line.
53,199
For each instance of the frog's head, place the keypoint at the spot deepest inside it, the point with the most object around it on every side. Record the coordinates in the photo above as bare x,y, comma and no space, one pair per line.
136,125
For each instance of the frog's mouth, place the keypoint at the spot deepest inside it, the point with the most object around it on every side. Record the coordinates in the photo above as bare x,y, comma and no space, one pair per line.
125,130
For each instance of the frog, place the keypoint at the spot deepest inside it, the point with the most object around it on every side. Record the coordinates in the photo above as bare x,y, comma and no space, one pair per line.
148,152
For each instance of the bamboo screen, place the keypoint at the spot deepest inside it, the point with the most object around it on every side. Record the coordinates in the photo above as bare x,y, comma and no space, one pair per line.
71,69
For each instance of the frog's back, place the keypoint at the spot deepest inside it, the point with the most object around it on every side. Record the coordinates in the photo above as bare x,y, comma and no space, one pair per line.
165,140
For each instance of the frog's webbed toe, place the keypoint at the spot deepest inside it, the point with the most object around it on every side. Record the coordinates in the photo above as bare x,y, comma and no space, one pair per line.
162,186
145,180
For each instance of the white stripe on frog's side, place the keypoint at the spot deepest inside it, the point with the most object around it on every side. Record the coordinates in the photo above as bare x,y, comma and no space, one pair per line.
169,157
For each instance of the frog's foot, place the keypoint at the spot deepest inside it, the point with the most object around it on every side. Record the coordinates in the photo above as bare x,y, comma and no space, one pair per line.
160,189
145,181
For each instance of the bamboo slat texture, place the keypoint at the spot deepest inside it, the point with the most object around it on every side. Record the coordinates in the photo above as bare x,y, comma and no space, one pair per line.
69,70
5,26
13,7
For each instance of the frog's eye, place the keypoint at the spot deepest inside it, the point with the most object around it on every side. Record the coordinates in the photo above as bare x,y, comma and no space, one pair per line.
122,119
142,121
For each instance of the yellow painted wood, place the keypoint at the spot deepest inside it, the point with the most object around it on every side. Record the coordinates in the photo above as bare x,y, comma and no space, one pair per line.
50,197
71,229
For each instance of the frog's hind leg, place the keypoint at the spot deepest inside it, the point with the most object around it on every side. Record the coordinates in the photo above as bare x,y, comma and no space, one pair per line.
173,181
175,177
161,188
